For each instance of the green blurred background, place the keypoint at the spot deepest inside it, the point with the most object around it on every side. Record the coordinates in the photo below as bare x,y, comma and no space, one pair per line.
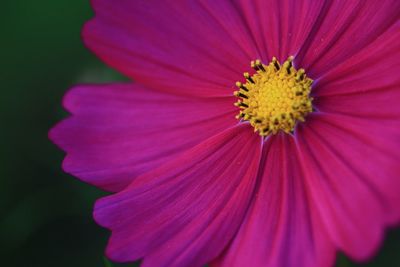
45,214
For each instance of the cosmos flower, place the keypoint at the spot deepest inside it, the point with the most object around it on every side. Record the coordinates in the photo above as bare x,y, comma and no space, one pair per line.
256,133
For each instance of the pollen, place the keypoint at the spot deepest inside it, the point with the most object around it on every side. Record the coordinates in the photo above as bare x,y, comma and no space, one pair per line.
275,97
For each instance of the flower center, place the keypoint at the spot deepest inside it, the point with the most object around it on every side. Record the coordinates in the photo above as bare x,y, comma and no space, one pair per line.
275,97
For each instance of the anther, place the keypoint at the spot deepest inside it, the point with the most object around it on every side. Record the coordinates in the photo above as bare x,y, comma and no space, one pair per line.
240,115
288,70
241,104
239,94
241,86
259,65
248,77
253,65
276,64
300,74
265,131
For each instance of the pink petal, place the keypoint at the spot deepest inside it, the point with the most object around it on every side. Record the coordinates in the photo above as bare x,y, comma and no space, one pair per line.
373,70
279,27
120,131
185,212
378,105
184,47
353,168
343,29
282,228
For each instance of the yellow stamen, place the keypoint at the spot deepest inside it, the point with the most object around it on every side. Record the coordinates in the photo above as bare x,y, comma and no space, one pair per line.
275,97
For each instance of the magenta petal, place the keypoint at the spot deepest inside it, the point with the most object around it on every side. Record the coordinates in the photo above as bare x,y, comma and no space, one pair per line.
185,212
343,29
120,131
353,169
184,47
380,106
370,71
366,85
282,227
279,28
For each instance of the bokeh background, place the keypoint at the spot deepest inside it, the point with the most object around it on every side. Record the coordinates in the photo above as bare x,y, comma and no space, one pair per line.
45,214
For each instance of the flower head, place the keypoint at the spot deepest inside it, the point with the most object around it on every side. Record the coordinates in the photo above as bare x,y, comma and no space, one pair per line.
275,97
193,184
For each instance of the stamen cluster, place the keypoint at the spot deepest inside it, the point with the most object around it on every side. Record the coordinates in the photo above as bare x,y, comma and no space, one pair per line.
275,97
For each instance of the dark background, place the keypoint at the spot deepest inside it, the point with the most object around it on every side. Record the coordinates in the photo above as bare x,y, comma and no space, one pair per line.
45,214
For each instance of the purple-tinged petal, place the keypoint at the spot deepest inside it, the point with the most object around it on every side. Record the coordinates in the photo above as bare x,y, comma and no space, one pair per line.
380,106
282,227
186,47
342,30
372,70
119,131
353,170
185,212
279,27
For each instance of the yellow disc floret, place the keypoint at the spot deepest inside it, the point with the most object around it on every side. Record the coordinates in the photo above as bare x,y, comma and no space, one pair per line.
275,97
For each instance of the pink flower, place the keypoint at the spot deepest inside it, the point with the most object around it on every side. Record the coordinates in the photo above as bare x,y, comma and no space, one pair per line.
193,184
